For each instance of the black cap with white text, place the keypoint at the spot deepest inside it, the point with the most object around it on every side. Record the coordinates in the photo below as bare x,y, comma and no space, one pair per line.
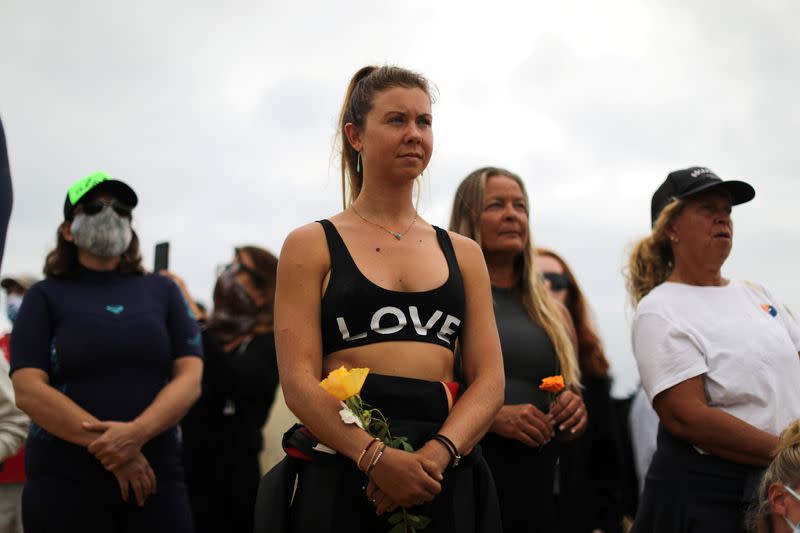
686,182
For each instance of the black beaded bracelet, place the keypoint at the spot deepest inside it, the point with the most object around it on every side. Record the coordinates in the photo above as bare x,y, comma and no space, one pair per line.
455,458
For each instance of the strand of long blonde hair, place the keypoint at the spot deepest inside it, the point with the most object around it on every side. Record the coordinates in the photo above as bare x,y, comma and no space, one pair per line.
651,260
784,469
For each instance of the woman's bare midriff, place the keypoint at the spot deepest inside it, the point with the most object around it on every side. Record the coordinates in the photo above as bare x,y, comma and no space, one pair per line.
409,359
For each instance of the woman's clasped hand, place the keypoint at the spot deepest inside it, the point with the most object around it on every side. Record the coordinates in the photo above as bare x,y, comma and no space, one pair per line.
405,479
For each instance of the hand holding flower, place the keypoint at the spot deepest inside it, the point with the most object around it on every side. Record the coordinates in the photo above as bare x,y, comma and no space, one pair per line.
397,477
408,479
569,412
525,423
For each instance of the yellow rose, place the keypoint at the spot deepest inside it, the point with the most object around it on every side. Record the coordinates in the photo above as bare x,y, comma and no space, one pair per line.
342,383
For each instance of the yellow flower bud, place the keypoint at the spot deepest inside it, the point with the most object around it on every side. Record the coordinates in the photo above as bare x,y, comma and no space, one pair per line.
342,383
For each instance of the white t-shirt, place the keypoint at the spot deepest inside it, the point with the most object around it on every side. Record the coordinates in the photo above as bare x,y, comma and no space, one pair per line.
739,336
643,423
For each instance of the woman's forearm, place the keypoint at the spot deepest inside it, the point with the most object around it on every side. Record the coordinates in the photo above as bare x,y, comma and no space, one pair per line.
726,436
52,410
319,412
473,414
684,411
173,401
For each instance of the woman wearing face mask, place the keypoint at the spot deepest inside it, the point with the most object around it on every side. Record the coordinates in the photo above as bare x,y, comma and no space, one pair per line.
777,508
718,359
491,207
222,432
589,467
105,361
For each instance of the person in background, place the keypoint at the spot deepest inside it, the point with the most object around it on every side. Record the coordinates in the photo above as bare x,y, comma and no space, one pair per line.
6,193
718,359
589,466
777,507
643,424
13,422
491,207
105,360
222,436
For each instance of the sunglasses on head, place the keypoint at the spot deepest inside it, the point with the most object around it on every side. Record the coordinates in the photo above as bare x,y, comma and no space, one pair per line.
558,282
94,207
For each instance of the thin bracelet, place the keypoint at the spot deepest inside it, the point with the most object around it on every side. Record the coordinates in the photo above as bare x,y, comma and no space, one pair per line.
376,458
374,454
454,455
364,452
447,447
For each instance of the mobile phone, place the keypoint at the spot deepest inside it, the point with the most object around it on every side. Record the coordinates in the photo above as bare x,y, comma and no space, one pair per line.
162,257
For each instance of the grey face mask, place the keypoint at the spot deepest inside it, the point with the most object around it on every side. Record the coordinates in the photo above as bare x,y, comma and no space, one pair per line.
105,234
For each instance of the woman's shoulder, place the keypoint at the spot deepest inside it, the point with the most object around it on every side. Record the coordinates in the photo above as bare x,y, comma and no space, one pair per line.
465,247
660,300
153,281
306,246
307,234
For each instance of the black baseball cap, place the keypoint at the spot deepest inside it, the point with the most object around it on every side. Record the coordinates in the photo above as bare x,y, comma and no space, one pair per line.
95,182
688,181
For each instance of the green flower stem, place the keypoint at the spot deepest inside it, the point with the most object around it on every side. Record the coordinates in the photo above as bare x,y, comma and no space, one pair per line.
376,424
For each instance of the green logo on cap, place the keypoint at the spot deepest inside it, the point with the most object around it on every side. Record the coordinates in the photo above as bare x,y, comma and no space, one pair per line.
84,185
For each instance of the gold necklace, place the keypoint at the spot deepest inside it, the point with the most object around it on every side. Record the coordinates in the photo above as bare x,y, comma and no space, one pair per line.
397,236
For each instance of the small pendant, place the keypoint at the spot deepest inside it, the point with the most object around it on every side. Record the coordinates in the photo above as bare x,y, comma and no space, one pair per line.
397,236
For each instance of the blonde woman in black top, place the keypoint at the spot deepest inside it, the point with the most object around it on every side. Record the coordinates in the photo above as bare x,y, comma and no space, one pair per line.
537,339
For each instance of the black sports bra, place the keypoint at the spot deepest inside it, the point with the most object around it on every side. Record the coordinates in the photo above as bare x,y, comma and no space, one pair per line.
357,312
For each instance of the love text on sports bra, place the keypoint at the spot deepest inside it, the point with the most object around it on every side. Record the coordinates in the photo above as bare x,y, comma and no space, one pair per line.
396,320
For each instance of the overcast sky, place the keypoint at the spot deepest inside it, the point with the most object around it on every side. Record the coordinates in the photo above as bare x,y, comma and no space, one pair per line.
222,118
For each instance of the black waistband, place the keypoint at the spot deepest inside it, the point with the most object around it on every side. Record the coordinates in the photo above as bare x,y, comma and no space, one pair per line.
676,458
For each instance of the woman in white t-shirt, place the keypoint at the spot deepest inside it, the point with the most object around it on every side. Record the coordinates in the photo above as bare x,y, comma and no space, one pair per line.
718,359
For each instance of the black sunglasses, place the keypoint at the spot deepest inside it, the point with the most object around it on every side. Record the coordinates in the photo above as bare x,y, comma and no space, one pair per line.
558,282
258,279
94,207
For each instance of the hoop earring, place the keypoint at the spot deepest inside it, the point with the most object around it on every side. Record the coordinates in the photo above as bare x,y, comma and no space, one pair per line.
358,163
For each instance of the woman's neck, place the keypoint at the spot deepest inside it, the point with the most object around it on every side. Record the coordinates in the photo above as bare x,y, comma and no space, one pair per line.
700,275
502,273
386,202
95,262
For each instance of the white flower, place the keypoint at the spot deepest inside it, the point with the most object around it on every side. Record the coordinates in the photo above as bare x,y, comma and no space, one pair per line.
349,417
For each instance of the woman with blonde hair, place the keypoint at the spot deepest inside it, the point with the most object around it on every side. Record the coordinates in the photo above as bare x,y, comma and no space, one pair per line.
718,359
777,508
536,334
376,286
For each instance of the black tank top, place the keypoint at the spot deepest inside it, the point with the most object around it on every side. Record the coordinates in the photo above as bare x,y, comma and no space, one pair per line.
357,312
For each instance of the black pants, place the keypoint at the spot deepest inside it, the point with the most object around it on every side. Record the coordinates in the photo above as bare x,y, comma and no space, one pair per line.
687,492
58,504
223,491
330,495
524,480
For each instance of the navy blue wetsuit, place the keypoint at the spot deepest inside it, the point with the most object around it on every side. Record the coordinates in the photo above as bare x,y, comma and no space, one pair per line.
108,342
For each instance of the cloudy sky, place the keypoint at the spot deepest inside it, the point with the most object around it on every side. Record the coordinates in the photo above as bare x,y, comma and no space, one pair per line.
222,117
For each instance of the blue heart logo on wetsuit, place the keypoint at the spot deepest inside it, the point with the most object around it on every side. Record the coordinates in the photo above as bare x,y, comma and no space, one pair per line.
116,309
